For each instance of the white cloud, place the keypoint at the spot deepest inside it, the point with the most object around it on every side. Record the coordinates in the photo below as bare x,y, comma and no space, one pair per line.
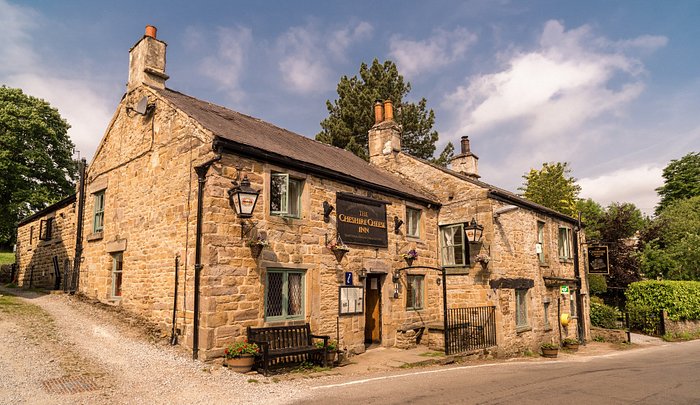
442,48
635,185
572,78
305,55
78,99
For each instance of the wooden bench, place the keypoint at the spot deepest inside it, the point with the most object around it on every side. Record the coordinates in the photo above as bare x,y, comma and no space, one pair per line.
287,344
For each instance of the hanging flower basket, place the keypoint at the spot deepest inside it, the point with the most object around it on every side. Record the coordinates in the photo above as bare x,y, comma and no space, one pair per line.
410,257
483,259
256,246
339,252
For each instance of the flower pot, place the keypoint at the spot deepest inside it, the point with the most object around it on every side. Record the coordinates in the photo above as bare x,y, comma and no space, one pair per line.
241,364
255,250
409,260
550,353
330,358
571,346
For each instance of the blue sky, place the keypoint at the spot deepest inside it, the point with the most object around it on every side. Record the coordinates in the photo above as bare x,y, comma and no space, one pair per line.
613,88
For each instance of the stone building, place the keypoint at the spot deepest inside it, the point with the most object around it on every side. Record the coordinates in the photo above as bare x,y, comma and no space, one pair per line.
46,246
167,234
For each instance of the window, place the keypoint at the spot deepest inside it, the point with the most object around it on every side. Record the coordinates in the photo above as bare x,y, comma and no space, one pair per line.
572,305
285,195
31,235
98,218
414,291
540,242
452,242
521,308
413,222
547,325
45,229
564,243
284,295
117,265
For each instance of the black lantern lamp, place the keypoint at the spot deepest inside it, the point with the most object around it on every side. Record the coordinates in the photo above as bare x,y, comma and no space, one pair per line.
327,209
243,197
473,231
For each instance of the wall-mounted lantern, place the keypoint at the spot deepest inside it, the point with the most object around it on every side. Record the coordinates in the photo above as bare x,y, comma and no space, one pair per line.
473,231
362,274
397,224
243,197
327,209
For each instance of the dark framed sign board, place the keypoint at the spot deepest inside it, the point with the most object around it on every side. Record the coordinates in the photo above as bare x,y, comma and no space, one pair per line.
350,300
598,262
361,220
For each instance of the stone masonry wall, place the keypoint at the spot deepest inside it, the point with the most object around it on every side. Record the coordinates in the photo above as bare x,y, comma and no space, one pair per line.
35,258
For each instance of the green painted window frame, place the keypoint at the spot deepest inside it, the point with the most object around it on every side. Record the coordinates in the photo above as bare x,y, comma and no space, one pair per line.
413,216
415,298
117,274
573,308
521,320
547,324
98,212
290,192
540,241
564,243
444,247
285,294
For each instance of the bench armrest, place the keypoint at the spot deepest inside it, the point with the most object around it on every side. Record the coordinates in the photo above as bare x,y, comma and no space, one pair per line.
325,338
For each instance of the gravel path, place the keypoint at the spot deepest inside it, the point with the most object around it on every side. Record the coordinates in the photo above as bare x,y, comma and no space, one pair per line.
45,337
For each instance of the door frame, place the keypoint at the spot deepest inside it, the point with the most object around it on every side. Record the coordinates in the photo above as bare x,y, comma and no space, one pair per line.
380,279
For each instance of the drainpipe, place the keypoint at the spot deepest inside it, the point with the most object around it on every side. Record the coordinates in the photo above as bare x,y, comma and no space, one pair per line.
173,335
73,287
201,171
579,299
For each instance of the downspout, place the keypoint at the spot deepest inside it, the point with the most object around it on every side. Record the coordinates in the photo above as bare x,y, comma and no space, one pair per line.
579,298
173,335
73,287
201,171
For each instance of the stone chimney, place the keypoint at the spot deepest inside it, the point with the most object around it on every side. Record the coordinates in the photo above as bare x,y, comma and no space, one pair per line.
466,162
147,61
385,135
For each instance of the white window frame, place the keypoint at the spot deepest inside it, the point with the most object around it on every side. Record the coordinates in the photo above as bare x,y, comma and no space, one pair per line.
117,270
541,257
521,319
285,294
413,217
98,217
287,201
564,240
446,246
415,298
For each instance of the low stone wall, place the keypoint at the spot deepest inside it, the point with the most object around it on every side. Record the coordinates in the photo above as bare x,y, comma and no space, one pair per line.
679,327
609,335
5,273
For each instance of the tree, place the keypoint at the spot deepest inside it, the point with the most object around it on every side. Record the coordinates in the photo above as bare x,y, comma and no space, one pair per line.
552,187
35,158
618,227
671,243
351,116
591,217
681,180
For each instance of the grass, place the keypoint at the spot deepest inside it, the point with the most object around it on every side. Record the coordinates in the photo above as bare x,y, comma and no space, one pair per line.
680,337
432,354
7,258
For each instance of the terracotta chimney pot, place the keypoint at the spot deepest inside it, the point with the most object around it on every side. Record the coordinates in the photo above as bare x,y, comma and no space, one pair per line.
378,112
465,145
388,110
151,31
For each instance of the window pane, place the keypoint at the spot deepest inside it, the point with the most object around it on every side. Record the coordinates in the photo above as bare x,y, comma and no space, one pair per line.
294,284
413,222
540,241
275,282
521,307
414,290
452,245
117,275
278,193
295,198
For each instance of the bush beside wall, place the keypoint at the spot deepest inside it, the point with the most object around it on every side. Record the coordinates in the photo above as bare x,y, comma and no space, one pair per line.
680,299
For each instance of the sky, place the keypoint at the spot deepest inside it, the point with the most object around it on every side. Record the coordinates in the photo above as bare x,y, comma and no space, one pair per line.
612,88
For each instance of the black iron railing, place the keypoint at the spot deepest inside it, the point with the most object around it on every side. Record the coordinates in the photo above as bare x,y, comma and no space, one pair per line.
470,329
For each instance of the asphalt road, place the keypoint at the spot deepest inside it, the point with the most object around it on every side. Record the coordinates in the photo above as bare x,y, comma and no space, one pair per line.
668,374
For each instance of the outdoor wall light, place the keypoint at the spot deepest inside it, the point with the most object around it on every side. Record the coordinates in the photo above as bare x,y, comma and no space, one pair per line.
362,274
397,224
473,231
243,197
327,209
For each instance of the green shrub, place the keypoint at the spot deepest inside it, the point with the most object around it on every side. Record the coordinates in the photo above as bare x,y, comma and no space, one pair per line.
644,319
680,299
597,284
604,316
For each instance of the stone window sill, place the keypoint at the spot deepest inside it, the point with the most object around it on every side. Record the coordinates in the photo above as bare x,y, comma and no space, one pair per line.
94,236
522,329
548,329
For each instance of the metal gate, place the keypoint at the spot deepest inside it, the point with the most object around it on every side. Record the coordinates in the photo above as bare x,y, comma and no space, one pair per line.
470,329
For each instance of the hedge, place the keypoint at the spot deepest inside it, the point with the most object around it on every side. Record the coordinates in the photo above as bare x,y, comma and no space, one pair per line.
604,316
680,299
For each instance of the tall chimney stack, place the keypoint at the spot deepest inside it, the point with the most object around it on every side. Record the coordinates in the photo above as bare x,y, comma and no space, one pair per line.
466,162
385,135
147,61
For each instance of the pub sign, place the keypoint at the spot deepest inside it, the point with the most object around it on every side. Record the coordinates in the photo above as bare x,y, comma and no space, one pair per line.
598,260
361,220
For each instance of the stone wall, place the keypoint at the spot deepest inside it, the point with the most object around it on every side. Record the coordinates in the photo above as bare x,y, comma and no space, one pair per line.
681,327
36,258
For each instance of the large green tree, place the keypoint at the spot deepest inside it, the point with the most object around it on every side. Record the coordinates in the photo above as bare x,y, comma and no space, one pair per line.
35,158
618,228
681,180
671,243
553,187
352,115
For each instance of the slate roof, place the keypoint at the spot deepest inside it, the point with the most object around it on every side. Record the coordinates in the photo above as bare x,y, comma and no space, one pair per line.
271,141
53,207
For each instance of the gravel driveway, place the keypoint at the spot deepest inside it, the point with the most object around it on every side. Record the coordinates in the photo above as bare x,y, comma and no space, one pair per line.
57,349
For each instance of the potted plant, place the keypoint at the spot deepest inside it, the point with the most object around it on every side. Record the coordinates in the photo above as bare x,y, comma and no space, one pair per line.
484,259
331,351
240,356
571,344
338,249
410,256
549,350
256,246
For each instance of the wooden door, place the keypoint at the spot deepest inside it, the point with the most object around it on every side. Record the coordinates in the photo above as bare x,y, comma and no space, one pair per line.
373,309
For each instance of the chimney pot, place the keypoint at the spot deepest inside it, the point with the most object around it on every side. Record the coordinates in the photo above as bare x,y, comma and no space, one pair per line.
388,110
378,112
151,31
465,145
